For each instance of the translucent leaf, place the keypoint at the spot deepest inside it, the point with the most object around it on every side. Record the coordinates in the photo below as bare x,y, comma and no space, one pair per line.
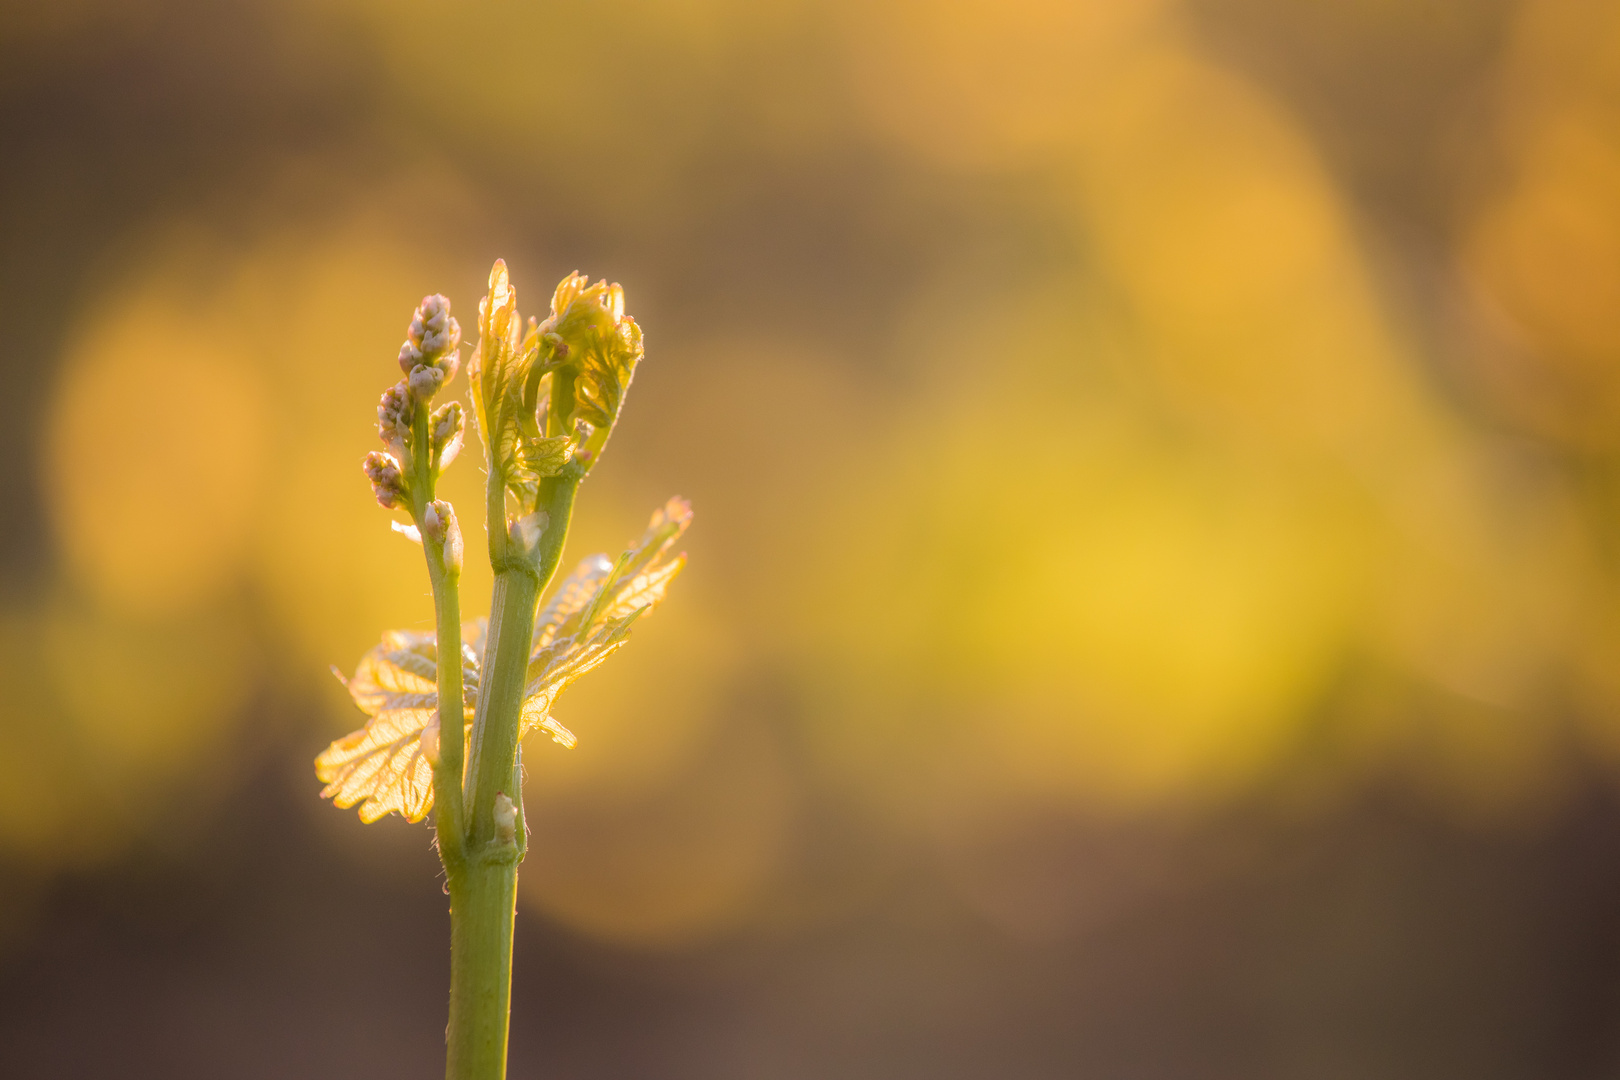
570,599
498,373
544,457
615,589
643,573
590,616
381,767
532,459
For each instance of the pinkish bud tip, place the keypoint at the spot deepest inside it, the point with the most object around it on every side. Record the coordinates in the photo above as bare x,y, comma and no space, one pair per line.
425,381
387,482
449,426
409,356
394,413
432,335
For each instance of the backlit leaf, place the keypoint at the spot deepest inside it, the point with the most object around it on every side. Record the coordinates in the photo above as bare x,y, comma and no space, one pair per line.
381,767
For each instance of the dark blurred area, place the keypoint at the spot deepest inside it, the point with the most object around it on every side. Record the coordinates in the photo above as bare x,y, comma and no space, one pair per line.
1153,600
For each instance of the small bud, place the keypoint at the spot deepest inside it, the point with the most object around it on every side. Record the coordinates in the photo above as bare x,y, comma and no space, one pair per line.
430,742
409,357
449,431
453,547
433,339
387,482
505,818
394,414
527,530
439,525
432,522
425,382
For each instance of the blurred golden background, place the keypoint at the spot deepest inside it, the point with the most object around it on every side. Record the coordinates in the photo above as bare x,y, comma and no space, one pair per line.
1154,606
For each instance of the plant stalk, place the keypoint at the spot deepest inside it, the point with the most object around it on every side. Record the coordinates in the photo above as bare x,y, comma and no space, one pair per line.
492,764
483,883
482,905
447,817
483,889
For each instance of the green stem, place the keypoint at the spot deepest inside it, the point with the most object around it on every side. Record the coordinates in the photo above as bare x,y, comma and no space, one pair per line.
561,413
483,886
483,889
518,584
491,768
482,895
495,516
447,817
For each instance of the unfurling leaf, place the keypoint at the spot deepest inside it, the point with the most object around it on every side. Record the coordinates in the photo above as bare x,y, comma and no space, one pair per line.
532,460
589,337
498,368
383,768
510,394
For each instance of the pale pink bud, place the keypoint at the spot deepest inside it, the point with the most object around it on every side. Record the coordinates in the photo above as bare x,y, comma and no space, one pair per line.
433,521
453,548
394,416
387,482
433,339
439,525
449,431
409,356
425,381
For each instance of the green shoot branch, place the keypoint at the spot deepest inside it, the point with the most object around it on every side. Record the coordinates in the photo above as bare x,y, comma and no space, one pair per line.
448,711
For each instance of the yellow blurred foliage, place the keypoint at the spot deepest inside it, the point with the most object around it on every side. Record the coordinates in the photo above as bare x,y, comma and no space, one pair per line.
1135,530
107,713
1544,245
158,449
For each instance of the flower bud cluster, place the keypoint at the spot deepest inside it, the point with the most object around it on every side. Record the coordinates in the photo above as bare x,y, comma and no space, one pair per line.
431,354
387,481
430,357
394,414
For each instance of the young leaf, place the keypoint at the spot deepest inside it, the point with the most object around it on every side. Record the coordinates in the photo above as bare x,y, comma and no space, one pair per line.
590,616
532,460
382,767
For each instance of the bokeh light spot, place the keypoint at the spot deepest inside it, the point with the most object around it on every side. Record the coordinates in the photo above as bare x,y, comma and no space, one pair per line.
157,452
